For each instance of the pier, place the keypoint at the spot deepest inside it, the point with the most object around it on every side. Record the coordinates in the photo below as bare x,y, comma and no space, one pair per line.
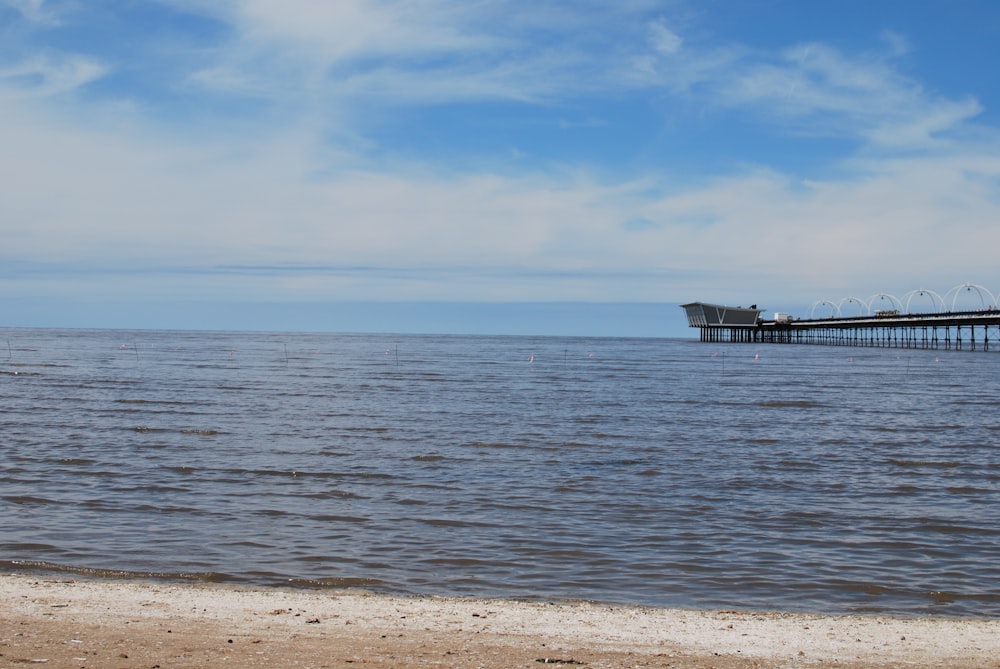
896,327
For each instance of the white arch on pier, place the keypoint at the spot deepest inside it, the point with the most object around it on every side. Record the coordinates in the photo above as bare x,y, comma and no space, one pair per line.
836,310
937,302
879,297
852,300
968,288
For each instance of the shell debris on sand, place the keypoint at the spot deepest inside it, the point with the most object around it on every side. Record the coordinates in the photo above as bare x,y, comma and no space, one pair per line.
132,623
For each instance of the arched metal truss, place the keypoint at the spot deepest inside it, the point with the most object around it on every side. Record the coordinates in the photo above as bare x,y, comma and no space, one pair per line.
835,310
937,302
883,299
861,304
969,288
919,301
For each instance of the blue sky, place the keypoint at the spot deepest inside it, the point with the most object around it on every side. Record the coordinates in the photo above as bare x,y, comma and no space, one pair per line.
173,162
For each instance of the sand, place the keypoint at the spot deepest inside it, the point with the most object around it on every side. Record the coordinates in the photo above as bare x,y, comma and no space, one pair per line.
57,622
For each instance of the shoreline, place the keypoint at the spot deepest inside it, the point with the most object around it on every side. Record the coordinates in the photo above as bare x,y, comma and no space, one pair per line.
76,622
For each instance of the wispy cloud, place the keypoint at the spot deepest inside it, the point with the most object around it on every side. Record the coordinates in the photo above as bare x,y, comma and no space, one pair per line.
45,75
423,52
33,10
819,89
808,88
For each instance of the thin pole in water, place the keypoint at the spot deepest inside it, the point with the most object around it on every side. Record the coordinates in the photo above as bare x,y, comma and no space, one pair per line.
136,348
286,353
10,352
397,355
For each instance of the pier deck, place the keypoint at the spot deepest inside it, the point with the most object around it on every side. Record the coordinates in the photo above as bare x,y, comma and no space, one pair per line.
960,330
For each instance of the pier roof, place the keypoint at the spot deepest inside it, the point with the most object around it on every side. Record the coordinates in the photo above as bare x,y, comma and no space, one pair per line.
703,314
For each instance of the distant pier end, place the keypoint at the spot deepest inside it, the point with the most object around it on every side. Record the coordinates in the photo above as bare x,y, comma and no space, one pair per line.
956,330
721,323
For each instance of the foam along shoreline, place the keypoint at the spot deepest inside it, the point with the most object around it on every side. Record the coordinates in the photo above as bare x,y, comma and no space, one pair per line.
99,623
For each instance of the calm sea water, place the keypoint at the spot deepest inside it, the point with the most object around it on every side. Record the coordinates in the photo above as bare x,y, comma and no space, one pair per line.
660,472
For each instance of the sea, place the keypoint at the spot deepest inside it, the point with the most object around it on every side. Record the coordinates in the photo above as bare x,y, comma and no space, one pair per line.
659,472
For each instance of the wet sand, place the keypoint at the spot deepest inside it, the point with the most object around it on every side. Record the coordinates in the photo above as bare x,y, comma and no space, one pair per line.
57,622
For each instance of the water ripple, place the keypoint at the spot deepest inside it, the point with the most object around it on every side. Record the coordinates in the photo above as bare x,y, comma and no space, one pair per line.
640,471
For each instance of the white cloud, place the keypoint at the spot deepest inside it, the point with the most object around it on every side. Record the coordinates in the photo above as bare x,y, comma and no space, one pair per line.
664,39
827,91
925,125
83,189
123,199
810,80
898,44
34,11
49,75
424,51
359,28
811,89
923,220
326,49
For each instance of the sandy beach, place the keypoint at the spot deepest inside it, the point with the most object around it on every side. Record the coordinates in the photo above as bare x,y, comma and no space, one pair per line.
66,622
